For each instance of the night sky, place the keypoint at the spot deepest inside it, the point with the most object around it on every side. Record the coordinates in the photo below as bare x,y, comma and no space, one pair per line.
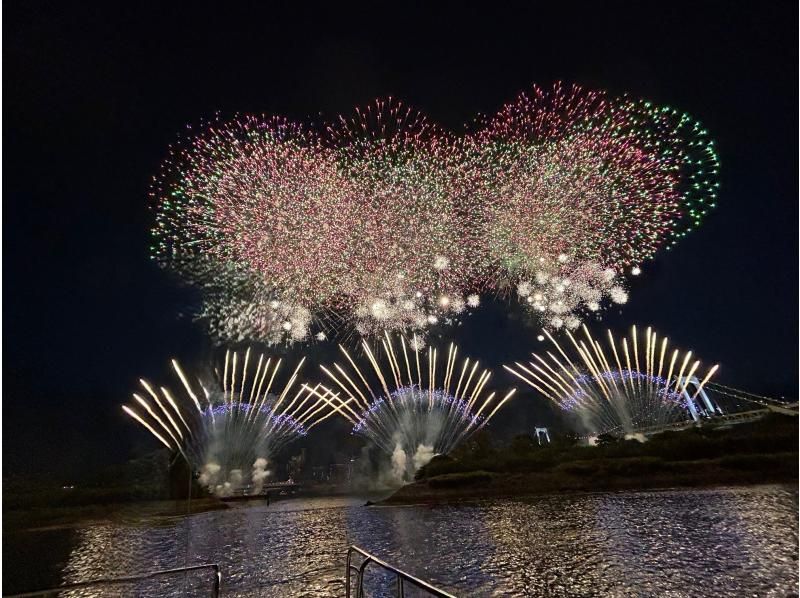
93,96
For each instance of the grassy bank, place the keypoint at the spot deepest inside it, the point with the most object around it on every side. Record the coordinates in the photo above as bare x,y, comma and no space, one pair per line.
759,452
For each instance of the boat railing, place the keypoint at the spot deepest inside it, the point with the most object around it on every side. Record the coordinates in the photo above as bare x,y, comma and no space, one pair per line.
116,581
401,577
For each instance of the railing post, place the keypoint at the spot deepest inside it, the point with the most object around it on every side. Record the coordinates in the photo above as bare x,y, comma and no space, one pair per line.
349,572
217,581
401,577
363,566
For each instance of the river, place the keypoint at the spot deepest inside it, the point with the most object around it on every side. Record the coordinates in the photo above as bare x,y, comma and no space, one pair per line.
710,542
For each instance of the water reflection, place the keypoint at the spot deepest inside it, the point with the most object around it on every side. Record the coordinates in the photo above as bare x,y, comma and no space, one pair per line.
722,542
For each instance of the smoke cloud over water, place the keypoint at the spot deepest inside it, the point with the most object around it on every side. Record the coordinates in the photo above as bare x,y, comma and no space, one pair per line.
209,475
259,475
399,463
220,483
403,468
423,455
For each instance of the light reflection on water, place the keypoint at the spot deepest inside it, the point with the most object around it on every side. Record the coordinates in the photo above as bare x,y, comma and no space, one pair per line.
720,542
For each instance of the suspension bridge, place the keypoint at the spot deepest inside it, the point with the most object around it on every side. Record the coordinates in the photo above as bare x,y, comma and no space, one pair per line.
721,405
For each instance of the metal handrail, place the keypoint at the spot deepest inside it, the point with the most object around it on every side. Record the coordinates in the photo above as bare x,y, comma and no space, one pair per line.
121,580
401,576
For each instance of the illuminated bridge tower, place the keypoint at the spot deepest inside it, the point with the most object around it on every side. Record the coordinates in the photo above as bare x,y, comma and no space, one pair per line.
540,433
703,407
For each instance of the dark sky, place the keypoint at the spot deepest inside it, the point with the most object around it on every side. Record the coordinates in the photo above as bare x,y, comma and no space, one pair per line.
94,94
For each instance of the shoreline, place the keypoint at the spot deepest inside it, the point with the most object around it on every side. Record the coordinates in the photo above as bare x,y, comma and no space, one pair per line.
42,519
501,487
521,485
39,519
477,500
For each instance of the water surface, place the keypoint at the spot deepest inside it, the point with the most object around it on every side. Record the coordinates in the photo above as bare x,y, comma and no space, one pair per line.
717,542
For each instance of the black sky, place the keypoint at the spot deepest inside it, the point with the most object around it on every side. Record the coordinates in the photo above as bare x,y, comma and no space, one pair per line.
94,94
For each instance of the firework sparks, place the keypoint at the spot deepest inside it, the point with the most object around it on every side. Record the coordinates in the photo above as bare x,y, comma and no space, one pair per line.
262,199
578,187
385,222
237,306
281,231
420,254
639,384
560,290
233,430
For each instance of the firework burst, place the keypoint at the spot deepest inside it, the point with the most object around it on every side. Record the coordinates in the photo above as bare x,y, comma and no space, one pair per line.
417,407
420,258
638,385
383,221
228,432
283,232
577,187
261,198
